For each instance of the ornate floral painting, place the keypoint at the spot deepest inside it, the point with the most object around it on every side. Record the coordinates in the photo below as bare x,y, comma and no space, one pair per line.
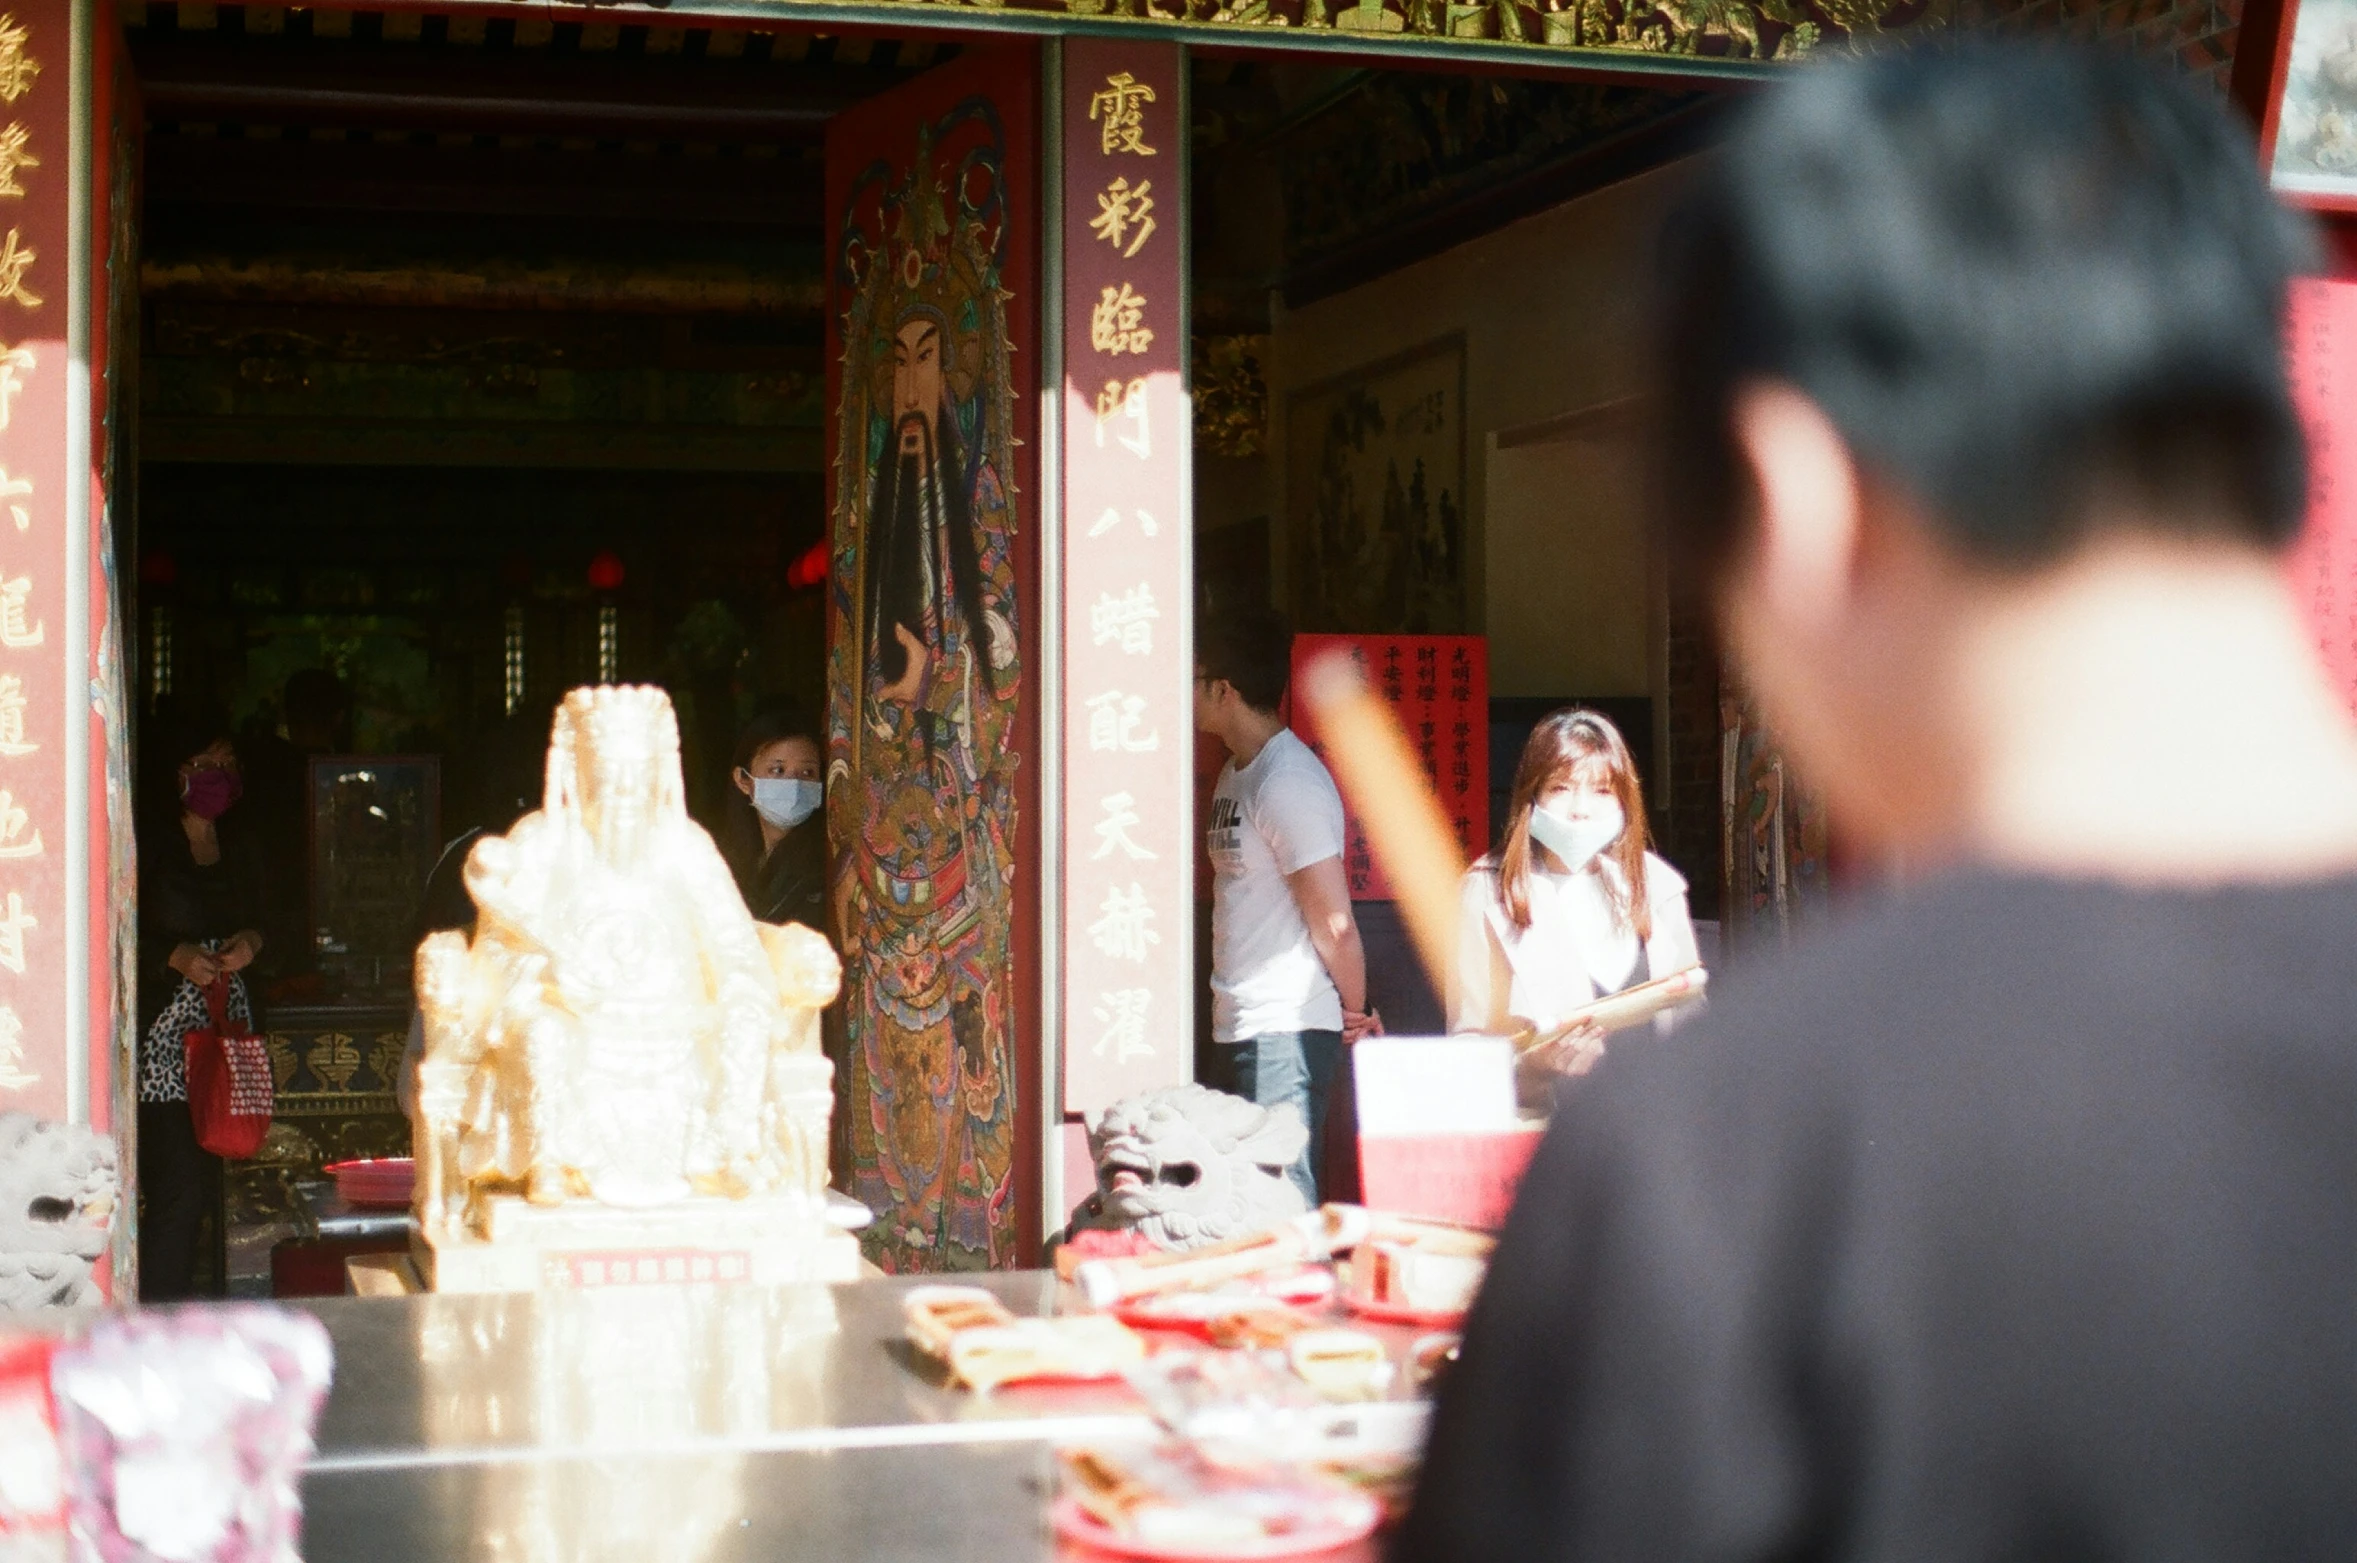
923,678
1375,496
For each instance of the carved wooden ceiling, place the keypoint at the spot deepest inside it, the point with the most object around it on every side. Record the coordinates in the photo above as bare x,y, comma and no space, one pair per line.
395,237
356,223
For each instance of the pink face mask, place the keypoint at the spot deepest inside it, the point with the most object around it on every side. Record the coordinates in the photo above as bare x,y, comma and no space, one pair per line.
208,794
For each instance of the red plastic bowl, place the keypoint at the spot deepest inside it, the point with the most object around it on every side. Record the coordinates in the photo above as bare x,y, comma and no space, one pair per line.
386,1180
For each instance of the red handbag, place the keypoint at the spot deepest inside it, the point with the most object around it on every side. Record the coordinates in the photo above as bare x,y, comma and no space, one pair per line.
229,1090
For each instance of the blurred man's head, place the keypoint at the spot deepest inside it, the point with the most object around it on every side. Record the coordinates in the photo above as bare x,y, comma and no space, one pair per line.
1942,331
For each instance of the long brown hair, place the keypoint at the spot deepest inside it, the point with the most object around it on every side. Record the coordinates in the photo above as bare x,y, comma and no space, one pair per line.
1558,745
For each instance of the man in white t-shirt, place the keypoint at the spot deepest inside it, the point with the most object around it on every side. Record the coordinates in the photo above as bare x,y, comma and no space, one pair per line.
1288,975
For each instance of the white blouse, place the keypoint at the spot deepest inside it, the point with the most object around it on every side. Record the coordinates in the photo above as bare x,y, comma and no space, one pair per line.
1577,948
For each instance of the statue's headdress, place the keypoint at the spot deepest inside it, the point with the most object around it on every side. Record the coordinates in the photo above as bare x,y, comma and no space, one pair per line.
633,723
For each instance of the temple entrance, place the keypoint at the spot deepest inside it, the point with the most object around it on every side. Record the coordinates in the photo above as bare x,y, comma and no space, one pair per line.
476,360
479,359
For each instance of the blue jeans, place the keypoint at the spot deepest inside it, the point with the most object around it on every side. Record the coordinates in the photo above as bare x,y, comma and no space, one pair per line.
1296,1067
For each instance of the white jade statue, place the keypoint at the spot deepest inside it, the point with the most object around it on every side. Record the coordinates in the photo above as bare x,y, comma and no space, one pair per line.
618,1030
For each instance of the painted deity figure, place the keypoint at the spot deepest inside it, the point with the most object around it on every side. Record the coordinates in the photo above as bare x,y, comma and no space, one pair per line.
925,692
619,1028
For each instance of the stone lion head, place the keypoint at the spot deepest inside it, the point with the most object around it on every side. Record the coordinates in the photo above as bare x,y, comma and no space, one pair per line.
1187,1165
58,1189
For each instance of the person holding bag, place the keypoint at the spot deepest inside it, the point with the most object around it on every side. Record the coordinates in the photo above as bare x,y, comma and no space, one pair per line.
201,905
1571,907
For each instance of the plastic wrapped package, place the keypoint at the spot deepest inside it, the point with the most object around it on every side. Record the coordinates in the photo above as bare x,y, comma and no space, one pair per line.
185,1433
1246,1409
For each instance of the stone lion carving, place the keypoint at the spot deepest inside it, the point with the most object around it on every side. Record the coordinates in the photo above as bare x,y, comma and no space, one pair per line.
618,1029
58,1189
1186,1165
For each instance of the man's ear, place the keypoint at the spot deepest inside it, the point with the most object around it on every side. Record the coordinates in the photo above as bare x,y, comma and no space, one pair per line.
1809,492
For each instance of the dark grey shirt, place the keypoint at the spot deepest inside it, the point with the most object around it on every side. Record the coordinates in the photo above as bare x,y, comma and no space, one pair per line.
2017,1219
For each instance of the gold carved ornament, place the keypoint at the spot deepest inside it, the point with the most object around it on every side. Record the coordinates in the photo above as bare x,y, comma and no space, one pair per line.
1727,29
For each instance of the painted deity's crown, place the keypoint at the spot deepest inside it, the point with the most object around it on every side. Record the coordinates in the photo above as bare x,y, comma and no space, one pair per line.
940,270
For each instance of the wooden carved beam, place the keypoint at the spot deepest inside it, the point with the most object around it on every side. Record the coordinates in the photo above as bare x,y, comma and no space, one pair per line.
460,284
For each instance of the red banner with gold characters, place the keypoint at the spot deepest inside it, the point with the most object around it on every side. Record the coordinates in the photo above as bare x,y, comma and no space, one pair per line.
1438,687
2323,360
1128,720
38,675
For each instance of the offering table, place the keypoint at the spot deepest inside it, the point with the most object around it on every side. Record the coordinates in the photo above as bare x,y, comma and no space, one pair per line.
686,1424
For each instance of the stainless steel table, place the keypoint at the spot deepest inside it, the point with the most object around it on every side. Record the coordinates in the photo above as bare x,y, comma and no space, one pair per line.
683,1425
658,1369
918,1503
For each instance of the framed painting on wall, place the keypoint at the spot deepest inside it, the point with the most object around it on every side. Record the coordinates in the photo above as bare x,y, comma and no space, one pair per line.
2308,137
1375,496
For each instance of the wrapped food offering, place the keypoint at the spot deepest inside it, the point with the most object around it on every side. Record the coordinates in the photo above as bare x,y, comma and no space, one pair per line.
184,1433
984,1345
1418,1271
1251,1408
1168,1501
1340,1364
1258,1309
1256,1329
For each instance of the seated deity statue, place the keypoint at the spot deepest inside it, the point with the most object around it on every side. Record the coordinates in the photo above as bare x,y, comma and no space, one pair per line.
618,1029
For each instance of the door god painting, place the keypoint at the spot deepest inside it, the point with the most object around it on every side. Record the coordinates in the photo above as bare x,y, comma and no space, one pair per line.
923,674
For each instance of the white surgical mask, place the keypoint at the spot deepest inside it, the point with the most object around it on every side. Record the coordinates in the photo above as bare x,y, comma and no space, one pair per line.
1577,841
785,801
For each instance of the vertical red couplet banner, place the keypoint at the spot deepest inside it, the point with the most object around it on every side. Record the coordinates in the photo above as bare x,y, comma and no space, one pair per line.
1127,719
1438,687
39,677
2322,341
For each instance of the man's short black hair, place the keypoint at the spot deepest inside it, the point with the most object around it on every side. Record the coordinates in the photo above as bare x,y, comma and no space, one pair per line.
1252,648
2019,281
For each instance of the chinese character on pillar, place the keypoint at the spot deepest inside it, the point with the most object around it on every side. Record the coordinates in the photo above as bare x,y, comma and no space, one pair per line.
1128,912
37,991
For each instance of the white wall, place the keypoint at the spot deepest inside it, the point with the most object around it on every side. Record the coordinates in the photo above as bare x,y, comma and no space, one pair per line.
1552,313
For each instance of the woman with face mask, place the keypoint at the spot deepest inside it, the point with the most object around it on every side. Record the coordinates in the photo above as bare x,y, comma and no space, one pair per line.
1571,906
200,910
775,837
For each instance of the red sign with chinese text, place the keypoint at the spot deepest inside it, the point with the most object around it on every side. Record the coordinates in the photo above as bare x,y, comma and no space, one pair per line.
1438,687
1128,673
2322,342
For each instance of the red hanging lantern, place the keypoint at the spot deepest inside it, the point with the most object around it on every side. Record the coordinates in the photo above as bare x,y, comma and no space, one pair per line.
810,569
605,571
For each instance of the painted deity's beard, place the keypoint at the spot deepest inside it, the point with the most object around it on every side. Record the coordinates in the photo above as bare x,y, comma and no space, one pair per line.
927,572
913,497
915,436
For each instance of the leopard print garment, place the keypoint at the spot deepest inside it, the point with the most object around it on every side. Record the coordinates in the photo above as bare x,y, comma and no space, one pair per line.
163,1055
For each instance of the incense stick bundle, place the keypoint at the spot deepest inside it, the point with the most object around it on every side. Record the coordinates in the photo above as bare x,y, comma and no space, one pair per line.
1629,1007
1394,802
